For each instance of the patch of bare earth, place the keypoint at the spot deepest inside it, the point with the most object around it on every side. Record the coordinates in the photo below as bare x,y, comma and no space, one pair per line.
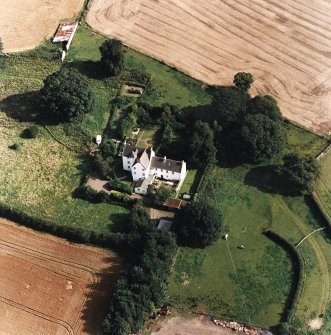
50,286
25,23
285,44
197,326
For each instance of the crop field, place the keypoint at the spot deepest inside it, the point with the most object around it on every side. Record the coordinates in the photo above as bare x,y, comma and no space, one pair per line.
25,24
49,286
286,46
205,280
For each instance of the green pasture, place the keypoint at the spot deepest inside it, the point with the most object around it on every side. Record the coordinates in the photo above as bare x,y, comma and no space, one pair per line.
205,280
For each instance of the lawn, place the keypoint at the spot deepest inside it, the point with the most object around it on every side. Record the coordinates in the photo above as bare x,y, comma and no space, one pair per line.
191,183
323,186
264,269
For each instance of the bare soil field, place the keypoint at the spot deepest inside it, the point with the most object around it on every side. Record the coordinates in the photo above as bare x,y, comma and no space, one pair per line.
196,326
49,286
24,24
286,45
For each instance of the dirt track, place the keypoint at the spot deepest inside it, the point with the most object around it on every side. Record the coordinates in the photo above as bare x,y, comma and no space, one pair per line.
25,23
286,45
196,326
49,286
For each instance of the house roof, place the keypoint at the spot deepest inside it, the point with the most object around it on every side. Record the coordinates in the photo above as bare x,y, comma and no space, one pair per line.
173,203
64,32
130,150
166,164
144,158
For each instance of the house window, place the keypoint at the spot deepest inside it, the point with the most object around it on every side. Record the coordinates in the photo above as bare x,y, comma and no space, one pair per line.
173,172
134,173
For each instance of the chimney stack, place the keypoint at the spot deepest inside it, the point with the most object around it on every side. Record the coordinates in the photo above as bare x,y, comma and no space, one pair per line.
164,158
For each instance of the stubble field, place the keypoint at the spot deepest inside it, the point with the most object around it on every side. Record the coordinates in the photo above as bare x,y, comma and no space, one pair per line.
24,24
285,45
49,286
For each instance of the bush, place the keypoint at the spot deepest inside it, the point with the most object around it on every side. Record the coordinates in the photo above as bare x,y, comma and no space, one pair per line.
120,186
32,132
15,146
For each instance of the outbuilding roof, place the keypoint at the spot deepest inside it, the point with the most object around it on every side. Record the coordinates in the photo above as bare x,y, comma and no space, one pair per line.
173,203
65,31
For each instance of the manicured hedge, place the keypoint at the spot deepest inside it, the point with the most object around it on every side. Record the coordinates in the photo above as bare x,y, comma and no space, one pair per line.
120,186
298,271
321,207
116,198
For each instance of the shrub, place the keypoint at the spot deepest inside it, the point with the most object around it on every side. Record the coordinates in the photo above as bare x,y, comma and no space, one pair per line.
32,132
120,186
15,146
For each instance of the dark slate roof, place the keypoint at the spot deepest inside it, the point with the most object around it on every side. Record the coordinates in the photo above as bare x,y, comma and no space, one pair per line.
129,149
143,183
166,164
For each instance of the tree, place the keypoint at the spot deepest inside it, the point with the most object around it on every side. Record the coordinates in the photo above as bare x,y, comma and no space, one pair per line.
1,46
301,171
108,149
202,148
112,56
126,124
259,137
198,224
66,95
230,104
243,81
265,105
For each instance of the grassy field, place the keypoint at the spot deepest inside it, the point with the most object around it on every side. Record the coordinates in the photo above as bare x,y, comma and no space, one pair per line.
191,183
324,181
264,269
40,177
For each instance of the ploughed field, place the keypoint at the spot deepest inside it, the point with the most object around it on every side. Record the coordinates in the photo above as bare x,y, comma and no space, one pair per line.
25,23
49,286
286,45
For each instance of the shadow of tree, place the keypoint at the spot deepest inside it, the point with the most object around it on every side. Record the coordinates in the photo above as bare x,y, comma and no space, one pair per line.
267,180
98,298
88,68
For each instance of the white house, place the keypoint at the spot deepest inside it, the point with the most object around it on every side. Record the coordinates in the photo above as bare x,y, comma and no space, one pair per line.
145,166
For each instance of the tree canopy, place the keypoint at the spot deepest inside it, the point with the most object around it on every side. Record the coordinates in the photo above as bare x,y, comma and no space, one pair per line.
301,171
112,56
230,104
198,224
259,137
66,95
265,105
202,148
243,80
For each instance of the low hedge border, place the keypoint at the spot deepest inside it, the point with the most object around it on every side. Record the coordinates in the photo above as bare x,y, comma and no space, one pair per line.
298,271
72,234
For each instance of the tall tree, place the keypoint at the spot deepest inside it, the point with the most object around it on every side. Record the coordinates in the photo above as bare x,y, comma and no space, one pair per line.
112,56
198,224
265,105
243,80
301,171
202,148
259,138
66,94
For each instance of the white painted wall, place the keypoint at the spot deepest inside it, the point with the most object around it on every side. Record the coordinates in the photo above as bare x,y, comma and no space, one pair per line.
138,172
127,163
